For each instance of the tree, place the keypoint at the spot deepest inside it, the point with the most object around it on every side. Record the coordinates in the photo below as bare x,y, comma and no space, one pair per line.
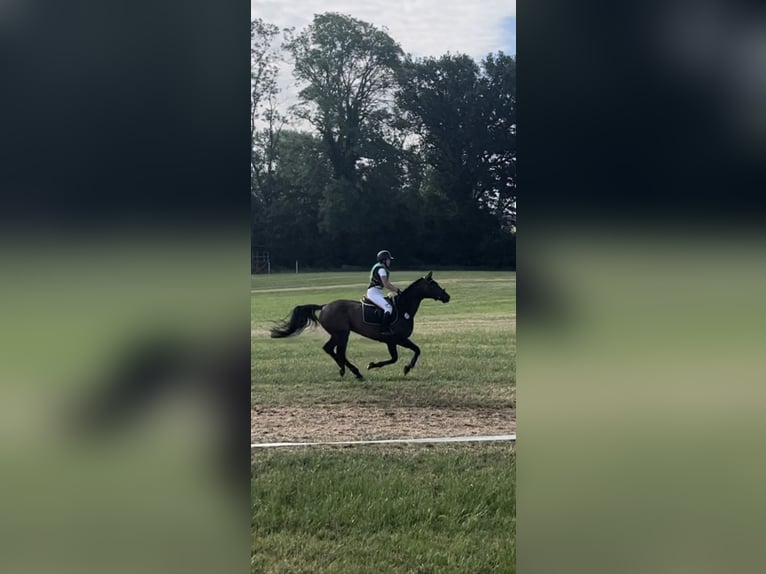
349,67
417,156
465,116
264,56
498,184
263,82
290,220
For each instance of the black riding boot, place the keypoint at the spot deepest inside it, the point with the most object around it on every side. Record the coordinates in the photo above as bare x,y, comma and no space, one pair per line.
385,326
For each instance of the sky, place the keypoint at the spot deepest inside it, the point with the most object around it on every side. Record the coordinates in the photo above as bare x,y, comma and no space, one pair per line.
422,28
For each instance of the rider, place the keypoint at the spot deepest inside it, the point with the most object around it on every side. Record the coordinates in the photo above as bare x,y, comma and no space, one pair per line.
378,280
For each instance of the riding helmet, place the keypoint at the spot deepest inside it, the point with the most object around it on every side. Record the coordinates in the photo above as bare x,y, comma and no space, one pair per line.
385,254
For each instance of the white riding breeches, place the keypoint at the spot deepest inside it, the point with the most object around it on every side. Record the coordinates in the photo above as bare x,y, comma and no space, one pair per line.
376,296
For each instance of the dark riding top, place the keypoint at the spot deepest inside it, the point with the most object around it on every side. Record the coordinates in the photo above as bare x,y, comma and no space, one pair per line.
375,280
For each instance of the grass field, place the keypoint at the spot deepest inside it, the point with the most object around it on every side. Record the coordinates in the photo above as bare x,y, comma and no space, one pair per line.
408,509
468,345
440,510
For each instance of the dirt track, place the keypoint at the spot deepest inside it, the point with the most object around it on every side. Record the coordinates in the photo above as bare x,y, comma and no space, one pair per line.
351,422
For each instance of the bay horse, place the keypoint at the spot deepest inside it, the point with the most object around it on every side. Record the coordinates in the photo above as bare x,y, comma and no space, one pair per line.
341,317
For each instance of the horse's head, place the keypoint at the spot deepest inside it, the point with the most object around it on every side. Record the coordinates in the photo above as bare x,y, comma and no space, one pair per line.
433,290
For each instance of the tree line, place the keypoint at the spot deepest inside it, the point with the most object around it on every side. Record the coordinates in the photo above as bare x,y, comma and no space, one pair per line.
414,155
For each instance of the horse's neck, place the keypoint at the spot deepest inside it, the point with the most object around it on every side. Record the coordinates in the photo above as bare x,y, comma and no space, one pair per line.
410,302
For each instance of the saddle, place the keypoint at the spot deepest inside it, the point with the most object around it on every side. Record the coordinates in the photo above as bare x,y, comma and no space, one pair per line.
373,314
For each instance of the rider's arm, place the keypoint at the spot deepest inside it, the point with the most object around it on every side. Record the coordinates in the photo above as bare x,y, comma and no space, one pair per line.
390,286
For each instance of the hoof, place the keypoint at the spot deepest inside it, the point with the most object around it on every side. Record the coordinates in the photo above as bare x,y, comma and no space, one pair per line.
359,377
370,366
342,372
407,369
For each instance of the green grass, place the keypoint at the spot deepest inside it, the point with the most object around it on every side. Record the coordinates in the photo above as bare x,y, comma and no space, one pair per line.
443,509
408,509
468,345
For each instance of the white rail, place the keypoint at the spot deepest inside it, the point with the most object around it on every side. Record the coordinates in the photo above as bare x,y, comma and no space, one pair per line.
511,437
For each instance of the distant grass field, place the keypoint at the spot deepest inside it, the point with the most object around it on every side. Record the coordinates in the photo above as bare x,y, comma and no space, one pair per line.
442,510
468,345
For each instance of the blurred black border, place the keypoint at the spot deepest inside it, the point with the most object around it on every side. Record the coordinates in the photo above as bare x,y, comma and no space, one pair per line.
124,112
616,127
125,117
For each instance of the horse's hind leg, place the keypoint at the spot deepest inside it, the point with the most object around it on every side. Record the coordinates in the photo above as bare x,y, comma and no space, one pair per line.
394,358
329,348
342,344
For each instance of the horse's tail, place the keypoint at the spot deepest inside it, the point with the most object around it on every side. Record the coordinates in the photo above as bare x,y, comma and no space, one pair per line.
296,321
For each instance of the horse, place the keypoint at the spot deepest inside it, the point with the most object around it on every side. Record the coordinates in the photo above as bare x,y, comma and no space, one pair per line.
342,316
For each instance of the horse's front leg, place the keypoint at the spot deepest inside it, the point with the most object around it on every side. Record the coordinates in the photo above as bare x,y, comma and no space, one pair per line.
410,345
394,358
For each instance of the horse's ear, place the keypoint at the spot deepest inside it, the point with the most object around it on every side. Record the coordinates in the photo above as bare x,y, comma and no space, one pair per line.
428,277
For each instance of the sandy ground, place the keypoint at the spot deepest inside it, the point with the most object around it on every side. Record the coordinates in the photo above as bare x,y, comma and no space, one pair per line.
351,422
